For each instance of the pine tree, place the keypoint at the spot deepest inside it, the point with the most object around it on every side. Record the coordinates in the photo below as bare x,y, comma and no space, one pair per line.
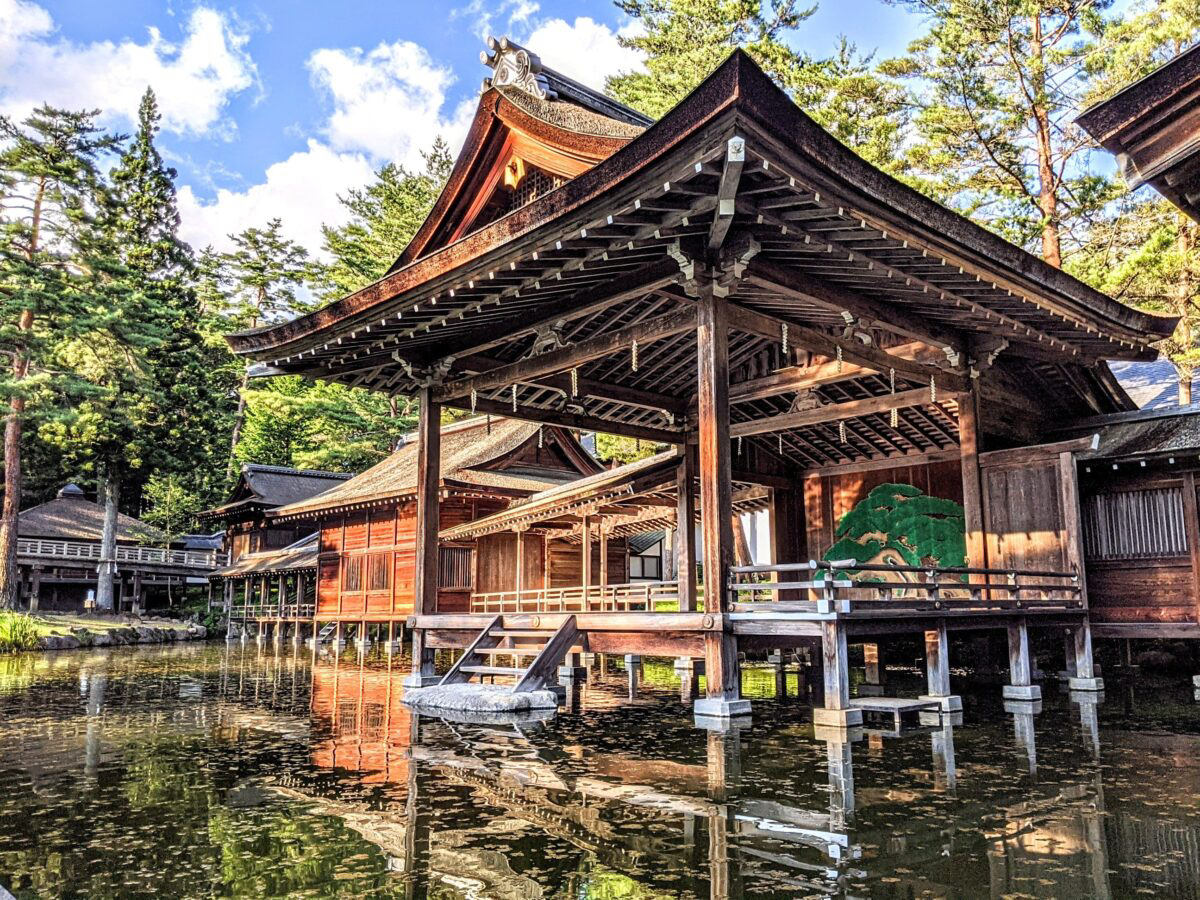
684,40
384,216
1001,82
1146,251
50,183
261,277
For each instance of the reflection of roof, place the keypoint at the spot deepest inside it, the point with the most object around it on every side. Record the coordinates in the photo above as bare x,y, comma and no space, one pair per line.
467,449
72,517
297,556
1151,385
261,486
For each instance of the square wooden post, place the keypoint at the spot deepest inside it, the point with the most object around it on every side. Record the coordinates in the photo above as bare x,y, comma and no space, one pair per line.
603,556
429,477
1020,668
937,668
685,528
836,712
1079,660
722,676
585,557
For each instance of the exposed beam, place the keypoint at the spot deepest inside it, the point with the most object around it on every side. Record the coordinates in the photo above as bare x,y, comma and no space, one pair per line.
677,322
567,419
770,327
831,413
772,276
731,174
802,378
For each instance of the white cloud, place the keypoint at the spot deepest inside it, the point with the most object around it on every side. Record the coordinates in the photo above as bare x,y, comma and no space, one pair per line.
194,79
388,103
499,19
585,49
302,190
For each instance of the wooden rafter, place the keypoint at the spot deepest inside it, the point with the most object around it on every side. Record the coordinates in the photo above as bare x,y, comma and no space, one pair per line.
832,413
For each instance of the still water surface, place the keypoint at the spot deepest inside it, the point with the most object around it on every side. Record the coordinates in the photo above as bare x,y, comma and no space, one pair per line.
243,771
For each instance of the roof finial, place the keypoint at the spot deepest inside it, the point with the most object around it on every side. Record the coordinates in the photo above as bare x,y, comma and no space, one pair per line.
514,66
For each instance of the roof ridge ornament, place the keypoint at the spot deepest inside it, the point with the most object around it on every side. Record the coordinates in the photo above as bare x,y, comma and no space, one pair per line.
514,66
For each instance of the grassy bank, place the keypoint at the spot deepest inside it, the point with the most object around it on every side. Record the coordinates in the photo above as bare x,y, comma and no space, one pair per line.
18,632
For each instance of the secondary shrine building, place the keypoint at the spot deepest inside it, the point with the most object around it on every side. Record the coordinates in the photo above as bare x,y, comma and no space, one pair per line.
801,331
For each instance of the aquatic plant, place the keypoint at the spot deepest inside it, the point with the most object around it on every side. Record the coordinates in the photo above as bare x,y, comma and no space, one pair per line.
17,632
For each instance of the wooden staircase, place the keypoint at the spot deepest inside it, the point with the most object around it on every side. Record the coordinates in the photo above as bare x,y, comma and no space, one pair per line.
544,651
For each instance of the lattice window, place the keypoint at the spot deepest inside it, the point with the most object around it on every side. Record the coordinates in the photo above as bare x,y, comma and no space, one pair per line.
1141,524
536,183
352,574
379,571
455,568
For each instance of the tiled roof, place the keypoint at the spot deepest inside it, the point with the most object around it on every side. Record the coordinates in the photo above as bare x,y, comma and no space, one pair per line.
298,556
72,517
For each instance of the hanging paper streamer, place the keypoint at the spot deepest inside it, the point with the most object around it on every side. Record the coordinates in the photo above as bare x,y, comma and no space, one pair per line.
739,447
540,437
474,399
781,442
514,398
633,354
489,423
839,359
895,417
637,444
842,431
784,338
933,389
574,383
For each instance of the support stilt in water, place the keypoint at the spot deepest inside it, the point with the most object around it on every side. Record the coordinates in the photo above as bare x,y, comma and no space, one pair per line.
1080,660
873,685
937,669
836,711
1020,669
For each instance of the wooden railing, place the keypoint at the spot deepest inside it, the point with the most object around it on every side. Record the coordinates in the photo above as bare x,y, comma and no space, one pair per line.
304,610
636,596
89,552
867,587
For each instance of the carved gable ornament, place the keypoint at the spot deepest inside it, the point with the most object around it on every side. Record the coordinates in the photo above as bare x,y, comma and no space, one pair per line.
514,66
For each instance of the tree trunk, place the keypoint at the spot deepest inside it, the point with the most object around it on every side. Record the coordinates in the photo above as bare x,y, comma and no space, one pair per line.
110,490
1047,189
10,576
238,418
1185,387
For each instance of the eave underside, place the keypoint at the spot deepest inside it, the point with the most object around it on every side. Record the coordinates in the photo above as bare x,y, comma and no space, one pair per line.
830,264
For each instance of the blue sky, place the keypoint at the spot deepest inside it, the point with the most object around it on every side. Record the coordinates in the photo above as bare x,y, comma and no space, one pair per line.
272,109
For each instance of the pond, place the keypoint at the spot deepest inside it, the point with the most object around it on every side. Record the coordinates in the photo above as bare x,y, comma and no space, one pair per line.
247,771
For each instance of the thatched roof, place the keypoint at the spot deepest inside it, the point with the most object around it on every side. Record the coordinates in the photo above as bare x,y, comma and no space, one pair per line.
71,516
470,453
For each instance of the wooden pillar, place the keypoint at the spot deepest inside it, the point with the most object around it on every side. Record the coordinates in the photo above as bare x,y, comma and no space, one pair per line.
35,588
603,555
937,666
836,712
721,674
519,582
300,588
138,602
282,594
429,452
1020,670
685,528
1080,661
787,529
972,484
585,556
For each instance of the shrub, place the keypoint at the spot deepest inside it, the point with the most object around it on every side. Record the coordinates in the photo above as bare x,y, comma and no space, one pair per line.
17,632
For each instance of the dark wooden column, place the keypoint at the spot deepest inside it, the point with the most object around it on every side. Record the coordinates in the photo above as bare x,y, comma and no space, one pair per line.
603,555
685,528
716,506
789,536
425,575
972,484
585,555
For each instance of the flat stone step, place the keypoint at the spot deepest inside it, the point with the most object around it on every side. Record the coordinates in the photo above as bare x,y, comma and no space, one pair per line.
891,705
492,670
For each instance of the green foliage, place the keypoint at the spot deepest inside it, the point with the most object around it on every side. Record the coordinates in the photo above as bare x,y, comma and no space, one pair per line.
384,216
919,529
998,86
18,632
612,448
684,40
170,505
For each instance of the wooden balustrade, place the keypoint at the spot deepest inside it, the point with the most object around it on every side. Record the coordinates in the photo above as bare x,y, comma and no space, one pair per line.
845,585
90,552
637,596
